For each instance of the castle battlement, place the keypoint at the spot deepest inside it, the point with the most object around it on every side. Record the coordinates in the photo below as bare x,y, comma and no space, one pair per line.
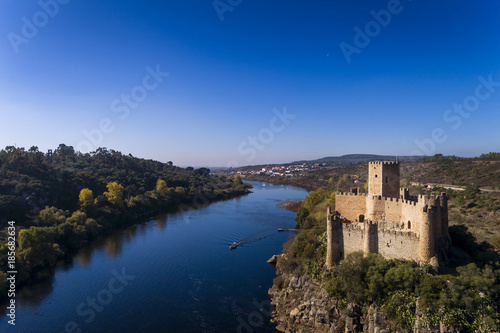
350,194
387,219
384,162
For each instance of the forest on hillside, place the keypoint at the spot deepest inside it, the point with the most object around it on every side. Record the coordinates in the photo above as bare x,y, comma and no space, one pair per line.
57,202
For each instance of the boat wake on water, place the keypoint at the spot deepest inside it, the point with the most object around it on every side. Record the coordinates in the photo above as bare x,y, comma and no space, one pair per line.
255,237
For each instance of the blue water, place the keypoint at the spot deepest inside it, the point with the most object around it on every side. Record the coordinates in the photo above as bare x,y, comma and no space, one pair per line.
175,273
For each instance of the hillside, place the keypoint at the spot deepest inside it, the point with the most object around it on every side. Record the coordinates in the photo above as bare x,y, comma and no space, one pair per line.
466,172
358,158
51,204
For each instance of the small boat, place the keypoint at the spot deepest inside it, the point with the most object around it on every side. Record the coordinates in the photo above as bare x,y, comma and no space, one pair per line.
233,246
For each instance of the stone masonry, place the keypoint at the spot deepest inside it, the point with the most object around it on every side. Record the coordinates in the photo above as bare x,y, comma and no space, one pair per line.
387,220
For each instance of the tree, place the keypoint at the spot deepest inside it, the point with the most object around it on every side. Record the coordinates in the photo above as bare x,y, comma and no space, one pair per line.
51,216
237,180
87,201
314,198
474,171
344,183
202,171
161,187
114,194
37,247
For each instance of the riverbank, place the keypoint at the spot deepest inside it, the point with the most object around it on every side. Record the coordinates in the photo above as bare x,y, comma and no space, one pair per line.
186,276
41,248
307,184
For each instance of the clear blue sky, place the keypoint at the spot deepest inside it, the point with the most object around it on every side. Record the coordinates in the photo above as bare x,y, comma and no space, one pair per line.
67,70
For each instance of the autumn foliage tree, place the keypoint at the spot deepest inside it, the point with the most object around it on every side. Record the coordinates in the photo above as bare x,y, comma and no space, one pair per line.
161,187
114,194
87,201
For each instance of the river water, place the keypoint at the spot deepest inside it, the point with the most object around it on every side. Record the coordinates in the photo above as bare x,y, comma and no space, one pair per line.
175,273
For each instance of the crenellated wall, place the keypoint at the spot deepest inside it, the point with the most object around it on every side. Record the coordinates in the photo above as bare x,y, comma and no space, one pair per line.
389,240
351,205
396,225
383,179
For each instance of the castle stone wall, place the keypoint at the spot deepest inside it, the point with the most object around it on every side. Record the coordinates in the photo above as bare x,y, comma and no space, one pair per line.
375,208
395,224
383,179
412,214
398,244
374,178
350,205
392,209
352,238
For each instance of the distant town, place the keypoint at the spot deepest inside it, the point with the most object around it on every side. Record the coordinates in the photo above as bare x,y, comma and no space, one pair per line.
292,170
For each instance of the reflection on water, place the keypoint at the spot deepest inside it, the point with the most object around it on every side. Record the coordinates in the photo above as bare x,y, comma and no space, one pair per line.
186,278
32,295
161,222
84,256
114,245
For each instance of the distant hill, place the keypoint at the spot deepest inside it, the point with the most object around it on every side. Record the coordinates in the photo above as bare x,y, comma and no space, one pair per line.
356,158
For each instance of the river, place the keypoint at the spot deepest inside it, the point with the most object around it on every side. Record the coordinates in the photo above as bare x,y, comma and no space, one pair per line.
175,273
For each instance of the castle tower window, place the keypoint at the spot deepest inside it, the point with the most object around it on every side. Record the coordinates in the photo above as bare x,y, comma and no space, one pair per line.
361,218
409,225
386,179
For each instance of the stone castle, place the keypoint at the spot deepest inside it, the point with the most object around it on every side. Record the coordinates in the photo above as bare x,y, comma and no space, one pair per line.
387,220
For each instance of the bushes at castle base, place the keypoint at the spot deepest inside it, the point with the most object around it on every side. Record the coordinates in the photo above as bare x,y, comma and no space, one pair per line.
469,302
314,198
312,213
301,216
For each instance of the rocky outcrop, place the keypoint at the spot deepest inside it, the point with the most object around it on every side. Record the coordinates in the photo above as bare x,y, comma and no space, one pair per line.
302,305
274,259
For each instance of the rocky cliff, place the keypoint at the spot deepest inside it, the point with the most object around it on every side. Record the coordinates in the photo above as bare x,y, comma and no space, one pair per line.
302,305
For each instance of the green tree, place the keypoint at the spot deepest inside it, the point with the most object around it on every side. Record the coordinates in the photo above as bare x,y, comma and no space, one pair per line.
37,247
474,172
344,183
237,180
51,216
314,198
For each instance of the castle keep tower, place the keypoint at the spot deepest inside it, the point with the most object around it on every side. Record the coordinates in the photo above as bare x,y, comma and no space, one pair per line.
383,179
387,220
